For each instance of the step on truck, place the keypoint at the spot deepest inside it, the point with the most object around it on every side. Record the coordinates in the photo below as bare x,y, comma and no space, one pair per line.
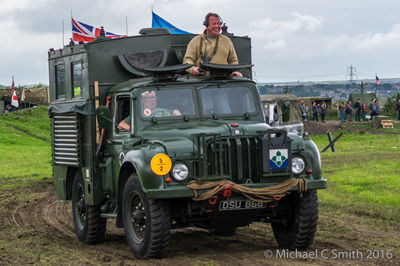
138,140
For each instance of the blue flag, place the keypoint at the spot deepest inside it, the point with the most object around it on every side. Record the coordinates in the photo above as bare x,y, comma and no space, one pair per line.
159,22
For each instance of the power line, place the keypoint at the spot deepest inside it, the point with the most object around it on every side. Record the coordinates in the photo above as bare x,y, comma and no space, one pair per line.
303,76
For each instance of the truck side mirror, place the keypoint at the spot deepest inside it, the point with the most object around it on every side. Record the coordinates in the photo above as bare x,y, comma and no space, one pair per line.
104,118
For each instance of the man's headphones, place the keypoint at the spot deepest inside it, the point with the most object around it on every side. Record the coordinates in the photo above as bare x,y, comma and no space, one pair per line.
206,22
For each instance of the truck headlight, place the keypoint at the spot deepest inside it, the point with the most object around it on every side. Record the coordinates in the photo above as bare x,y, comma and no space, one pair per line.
180,172
298,165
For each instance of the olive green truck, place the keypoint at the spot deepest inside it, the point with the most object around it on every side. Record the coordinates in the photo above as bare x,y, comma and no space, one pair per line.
138,140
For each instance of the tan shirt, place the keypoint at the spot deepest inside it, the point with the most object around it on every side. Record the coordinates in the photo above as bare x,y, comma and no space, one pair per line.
225,53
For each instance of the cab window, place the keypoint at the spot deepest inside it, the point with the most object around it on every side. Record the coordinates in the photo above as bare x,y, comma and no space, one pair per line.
76,79
123,114
167,103
60,81
227,101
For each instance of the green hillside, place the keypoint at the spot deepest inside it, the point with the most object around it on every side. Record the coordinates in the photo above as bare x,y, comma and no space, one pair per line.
25,147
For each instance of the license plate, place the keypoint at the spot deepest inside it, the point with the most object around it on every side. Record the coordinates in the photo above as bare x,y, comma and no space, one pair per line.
227,205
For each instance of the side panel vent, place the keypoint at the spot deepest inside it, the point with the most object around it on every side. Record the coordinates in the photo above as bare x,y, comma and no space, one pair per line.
66,139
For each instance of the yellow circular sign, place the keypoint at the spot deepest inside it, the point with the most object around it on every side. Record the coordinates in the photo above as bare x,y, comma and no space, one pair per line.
160,164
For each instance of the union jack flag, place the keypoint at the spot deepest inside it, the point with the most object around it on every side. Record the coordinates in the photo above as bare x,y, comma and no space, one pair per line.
82,32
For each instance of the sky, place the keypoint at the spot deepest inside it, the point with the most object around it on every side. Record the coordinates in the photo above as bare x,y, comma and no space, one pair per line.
292,40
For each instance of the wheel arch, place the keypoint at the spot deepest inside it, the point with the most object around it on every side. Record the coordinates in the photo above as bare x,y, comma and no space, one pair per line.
125,172
69,181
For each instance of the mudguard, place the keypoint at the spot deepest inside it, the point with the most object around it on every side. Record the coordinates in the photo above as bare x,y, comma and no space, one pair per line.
140,159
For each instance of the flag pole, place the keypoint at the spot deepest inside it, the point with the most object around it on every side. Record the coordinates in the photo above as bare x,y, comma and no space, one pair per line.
62,25
126,25
72,34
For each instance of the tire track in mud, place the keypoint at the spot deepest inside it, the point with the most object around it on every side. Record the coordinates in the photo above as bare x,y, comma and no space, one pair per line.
58,215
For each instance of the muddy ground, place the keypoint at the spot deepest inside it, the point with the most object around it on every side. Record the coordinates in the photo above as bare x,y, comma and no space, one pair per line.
40,231
314,128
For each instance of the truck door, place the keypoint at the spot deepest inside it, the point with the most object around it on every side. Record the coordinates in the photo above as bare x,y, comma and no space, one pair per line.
113,156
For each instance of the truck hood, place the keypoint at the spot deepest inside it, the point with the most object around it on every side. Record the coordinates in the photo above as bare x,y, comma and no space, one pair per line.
190,128
179,137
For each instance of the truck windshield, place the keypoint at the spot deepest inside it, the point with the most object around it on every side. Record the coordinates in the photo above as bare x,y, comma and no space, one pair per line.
164,103
225,101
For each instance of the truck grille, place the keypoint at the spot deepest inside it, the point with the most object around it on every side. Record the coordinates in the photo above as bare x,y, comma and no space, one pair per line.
66,139
232,157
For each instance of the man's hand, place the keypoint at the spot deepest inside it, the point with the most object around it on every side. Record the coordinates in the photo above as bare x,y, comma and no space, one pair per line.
195,71
237,74
124,126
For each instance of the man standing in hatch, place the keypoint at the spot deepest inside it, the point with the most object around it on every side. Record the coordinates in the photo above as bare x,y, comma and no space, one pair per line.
210,47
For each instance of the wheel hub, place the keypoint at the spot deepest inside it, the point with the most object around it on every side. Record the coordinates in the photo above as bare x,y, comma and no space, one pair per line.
81,207
138,218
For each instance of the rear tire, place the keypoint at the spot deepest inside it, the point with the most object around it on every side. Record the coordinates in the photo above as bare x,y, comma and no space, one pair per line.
147,222
299,220
90,228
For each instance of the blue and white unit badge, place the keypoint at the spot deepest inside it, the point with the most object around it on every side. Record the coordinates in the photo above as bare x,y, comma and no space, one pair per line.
278,159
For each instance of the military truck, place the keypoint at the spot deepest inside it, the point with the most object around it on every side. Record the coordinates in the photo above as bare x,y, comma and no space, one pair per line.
137,140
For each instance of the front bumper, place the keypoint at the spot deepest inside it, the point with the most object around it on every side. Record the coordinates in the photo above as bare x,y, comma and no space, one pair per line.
182,191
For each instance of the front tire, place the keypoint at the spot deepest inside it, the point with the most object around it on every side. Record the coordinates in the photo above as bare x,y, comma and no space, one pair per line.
147,222
90,228
298,220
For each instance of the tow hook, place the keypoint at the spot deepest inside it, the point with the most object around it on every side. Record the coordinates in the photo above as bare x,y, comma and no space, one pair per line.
212,201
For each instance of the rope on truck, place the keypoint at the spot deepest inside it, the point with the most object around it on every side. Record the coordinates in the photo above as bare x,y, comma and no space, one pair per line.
266,194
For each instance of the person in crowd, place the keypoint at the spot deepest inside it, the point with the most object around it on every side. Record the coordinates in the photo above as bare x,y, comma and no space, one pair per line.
315,108
342,108
306,112
373,108
349,110
323,111
364,111
357,106
210,47
302,110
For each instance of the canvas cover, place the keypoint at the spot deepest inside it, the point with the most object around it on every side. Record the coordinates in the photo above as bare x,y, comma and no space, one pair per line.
84,107
280,99
367,97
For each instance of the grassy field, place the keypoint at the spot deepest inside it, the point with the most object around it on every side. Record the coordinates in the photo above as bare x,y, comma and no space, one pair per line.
25,146
363,176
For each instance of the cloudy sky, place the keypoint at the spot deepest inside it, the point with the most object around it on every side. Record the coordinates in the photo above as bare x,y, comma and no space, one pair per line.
292,40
